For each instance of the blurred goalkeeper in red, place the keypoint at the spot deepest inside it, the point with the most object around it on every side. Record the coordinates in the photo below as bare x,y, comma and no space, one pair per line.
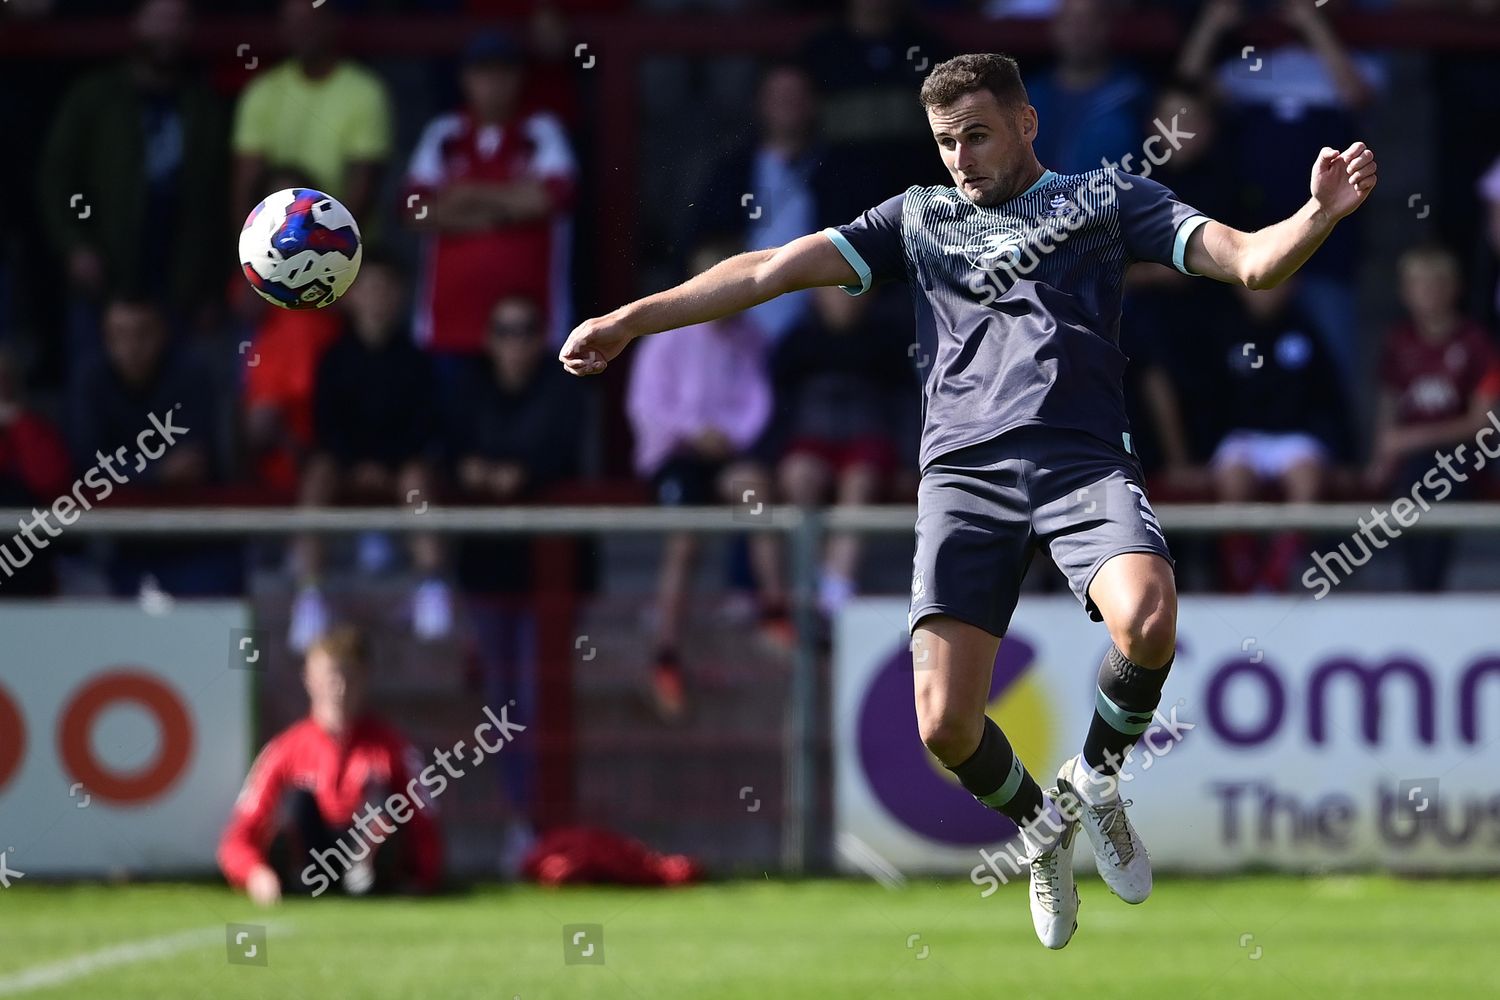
338,799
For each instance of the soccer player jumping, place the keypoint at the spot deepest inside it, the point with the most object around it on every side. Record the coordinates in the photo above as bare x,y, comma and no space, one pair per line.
1016,274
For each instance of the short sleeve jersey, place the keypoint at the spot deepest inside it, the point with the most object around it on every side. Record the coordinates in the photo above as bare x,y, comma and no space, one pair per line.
316,127
1018,304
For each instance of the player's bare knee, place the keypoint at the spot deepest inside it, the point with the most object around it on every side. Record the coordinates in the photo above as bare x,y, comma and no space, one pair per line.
1147,633
950,736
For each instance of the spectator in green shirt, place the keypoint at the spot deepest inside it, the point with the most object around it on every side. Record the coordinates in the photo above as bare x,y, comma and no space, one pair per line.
316,114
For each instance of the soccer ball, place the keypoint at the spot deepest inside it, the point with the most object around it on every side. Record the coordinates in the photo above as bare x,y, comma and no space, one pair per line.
300,249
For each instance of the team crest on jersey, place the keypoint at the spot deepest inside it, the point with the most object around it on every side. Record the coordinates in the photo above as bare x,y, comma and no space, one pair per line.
1057,206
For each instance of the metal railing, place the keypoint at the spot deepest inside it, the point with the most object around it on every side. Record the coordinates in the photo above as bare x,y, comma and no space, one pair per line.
805,529
1183,518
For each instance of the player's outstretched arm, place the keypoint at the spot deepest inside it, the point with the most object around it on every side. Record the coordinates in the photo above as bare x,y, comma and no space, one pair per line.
742,281
1340,183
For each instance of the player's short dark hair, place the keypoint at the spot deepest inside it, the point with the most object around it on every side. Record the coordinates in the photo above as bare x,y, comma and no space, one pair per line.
969,74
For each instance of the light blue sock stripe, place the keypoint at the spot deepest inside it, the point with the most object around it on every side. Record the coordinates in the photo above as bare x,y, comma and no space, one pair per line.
1118,718
1007,791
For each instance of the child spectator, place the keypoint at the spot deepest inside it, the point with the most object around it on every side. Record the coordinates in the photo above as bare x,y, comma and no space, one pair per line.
1285,421
1439,377
375,438
837,377
698,402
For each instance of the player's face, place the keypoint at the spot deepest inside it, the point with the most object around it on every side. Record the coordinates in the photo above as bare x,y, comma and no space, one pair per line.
986,147
335,690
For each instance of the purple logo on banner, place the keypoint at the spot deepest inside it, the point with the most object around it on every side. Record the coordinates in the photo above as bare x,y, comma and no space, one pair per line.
899,769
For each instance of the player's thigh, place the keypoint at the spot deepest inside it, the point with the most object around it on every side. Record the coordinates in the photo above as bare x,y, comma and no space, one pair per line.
951,666
973,544
1091,508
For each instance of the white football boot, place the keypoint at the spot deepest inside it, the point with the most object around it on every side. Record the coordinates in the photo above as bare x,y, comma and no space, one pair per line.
1047,845
1094,801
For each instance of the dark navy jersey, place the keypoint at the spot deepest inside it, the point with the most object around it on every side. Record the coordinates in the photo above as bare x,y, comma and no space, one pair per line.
1018,305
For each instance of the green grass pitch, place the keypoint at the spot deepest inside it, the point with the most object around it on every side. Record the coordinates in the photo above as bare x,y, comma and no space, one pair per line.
1251,937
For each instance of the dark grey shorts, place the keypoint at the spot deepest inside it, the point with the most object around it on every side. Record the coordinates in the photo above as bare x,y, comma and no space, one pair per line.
983,510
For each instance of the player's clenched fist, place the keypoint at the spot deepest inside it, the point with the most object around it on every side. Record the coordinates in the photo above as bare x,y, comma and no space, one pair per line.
1342,181
593,344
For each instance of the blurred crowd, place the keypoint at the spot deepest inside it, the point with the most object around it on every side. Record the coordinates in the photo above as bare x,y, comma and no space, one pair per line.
434,379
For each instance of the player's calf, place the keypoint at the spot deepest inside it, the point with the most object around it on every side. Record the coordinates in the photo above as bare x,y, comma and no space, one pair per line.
995,776
1127,695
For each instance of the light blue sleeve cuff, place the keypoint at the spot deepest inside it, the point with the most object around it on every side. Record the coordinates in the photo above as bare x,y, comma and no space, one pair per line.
855,261
1179,246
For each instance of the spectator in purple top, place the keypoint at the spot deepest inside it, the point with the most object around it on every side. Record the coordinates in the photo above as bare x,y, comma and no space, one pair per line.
698,403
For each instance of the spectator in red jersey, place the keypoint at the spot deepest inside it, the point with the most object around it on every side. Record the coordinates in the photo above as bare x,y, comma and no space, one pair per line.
1439,377
698,404
492,187
33,471
313,809
375,431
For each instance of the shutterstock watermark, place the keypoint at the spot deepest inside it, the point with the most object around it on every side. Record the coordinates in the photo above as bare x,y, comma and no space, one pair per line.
1004,257
1324,574
89,489
997,868
402,805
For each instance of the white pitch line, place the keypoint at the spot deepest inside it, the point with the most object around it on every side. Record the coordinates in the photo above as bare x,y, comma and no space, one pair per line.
91,962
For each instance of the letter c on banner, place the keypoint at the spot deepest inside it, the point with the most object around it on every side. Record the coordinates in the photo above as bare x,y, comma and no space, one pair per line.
83,710
12,738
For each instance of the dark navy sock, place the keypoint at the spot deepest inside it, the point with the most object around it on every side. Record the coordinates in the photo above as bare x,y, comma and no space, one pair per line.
1127,695
995,776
